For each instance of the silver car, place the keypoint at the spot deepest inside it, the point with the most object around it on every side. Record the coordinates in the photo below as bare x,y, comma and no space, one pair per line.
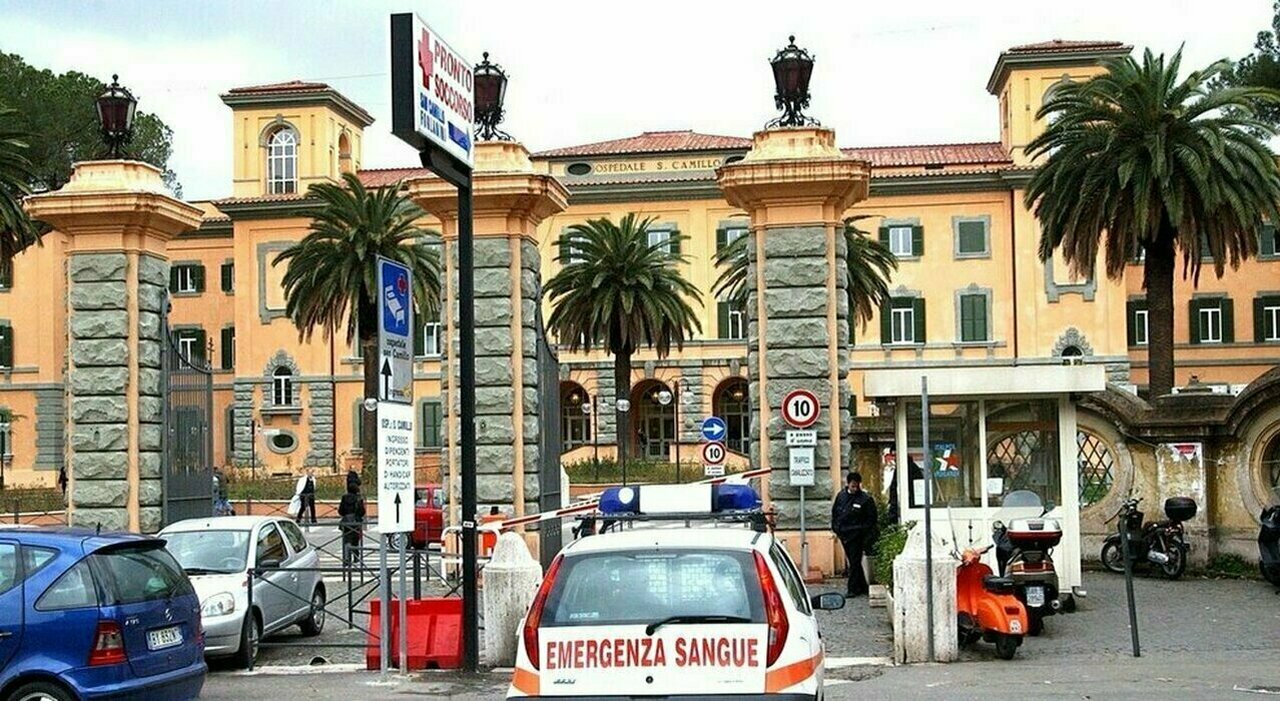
217,554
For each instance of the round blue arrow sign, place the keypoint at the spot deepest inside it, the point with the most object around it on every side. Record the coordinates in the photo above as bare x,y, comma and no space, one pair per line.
714,428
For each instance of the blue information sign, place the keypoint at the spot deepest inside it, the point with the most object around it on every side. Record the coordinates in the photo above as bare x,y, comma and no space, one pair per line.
395,332
714,429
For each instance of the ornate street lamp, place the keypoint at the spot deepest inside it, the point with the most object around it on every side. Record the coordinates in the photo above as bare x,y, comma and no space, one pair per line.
491,90
792,67
116,108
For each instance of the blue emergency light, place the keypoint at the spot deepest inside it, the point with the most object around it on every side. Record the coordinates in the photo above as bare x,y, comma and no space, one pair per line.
689,498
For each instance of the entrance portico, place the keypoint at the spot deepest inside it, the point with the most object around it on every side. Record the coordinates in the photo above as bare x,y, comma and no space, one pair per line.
992,431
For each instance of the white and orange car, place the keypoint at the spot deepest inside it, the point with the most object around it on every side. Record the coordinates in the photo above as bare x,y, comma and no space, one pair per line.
684,595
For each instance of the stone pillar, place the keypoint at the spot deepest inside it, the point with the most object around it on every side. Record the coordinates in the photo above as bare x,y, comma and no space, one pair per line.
795,184
118,218
509,200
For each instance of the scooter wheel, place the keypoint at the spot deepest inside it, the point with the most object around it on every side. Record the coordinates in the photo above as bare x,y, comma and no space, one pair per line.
1111,557
1007,646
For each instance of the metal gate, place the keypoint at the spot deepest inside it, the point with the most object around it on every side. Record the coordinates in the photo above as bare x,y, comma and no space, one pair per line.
550,531
186,471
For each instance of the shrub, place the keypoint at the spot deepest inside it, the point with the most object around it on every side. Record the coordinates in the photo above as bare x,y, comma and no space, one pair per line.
893,538
608,471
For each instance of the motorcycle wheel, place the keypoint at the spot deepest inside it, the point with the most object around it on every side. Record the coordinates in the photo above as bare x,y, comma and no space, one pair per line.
1177,563
1007,646
1111,558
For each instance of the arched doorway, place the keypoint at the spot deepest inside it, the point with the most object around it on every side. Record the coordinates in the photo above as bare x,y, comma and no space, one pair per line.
732,402
653,424
575,424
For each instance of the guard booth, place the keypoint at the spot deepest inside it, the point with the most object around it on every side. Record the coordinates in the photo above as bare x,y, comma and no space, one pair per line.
992,431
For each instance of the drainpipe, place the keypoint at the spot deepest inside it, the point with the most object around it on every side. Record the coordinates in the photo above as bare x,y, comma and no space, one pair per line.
1013,256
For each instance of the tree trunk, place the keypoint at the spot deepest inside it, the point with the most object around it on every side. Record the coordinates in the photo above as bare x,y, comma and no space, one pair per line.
622,390
369,419
1158,279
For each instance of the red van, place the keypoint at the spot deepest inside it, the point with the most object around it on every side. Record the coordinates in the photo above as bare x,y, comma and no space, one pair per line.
428,516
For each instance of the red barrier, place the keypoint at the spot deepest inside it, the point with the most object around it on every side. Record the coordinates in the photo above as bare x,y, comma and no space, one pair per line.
435,634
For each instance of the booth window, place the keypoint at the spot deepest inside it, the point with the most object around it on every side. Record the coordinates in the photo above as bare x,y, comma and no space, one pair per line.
1022,449
955,460
1095,467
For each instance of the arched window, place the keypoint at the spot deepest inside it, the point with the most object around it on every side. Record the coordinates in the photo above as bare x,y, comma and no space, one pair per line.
1271,466
731,402
282,161
344,154
1095,468
575,416
653,424
282,387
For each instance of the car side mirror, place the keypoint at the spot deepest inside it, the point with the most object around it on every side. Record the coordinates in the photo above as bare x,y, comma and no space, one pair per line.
830,601
269,563
1050,506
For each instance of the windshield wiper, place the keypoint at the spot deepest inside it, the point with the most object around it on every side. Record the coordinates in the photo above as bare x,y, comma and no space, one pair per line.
203,570
653,627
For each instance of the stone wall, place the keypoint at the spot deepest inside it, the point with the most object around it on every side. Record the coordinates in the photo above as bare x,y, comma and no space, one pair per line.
51,424
320,425
242,403
153,290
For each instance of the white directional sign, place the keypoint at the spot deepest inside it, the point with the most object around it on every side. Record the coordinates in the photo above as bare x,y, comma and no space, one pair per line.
395,332
800,408
395,468
713,456
801,472
432,90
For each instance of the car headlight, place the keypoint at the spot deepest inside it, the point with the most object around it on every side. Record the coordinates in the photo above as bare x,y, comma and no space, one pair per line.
218,605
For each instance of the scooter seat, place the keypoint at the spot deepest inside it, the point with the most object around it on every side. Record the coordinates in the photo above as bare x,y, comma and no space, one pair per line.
998,585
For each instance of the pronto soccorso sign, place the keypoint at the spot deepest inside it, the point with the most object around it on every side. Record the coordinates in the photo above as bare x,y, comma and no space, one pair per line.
432,89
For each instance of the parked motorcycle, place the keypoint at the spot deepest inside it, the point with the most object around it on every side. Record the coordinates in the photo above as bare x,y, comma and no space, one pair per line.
1269,545
1024,541
1160,543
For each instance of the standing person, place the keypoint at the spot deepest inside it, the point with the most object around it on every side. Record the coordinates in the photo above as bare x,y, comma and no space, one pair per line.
351,513
62,479
353,478
853,519
306,493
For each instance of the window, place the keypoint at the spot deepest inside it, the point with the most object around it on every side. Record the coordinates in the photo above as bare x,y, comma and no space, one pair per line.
731,320
1022,449
1094,468
954,453
667,240
6,275
902,321
971,238
228,277
229,426
282,162
727,235
730,403
904,240
186,278
790,577
282,387
432,424
139,573
570,252
1137,318
1211,321
74,589
1266,319
282,442
6,346
270,546
229,348
294,536
8,566
427,342
1269,241
973,318
191,344
6,432
575,416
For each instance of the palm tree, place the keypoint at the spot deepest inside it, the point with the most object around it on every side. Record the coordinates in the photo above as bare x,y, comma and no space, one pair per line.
332,279
869,265
1139,162
16,229
617,290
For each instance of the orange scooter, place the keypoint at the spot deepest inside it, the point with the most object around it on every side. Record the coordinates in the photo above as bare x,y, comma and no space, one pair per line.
987,606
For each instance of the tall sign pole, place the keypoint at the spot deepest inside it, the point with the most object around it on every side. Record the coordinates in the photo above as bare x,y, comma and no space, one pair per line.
432,109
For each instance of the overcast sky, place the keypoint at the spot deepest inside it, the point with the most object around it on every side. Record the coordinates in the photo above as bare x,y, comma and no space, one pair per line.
901,72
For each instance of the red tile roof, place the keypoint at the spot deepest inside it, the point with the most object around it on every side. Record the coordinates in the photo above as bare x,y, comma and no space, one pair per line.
930,154
652,142
381,177
1066,46
291,86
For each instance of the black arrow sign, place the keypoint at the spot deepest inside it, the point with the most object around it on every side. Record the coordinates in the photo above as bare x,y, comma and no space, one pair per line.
386,378
397,508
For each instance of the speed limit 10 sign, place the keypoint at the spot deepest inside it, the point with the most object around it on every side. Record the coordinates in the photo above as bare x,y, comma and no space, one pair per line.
713,453
800,408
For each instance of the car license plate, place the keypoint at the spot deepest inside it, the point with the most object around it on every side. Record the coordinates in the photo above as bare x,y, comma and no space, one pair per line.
1035,596
164,637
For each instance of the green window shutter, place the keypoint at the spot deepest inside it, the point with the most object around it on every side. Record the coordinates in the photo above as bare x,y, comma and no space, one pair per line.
917,306
228,347
1270,240
884,235
228,277
1194,326
419,336
722,319
886,320
197,276
1131,322
917,240
1259,320
173,278
1228,320
201,351
673,242
6,346
431,420
972,237
564,248
722,239
6,275
973,318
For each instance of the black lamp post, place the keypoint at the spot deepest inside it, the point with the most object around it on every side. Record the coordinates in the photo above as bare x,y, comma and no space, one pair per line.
490,91
792,67
116,108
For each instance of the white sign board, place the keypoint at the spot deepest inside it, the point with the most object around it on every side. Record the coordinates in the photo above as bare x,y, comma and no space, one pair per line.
713,470
395,332
395,468
432,90
801,472
802,439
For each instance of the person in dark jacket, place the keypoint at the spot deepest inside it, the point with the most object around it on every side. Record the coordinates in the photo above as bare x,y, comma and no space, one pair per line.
853,519
353,477
351,513
307,496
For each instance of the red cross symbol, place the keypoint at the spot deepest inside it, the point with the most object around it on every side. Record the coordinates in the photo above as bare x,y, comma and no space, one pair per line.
948,461
426,59
402,285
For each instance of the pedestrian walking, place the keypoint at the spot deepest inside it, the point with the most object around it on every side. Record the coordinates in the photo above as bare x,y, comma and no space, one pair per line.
351,513
62,480
305,493
853,519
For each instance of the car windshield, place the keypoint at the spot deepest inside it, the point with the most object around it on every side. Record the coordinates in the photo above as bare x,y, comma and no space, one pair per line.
621,588
209,552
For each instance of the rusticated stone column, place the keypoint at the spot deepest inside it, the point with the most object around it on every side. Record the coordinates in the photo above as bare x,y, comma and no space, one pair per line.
118,218
796,185
509,200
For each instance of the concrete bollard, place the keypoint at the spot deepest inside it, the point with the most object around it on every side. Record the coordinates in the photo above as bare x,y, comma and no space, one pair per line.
910,601
511,581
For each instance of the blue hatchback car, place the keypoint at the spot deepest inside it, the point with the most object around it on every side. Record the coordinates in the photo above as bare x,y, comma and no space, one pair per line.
95,616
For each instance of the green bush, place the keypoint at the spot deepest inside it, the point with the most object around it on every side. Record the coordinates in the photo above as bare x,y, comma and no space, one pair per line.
278,488
893,538
608,471
31,499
